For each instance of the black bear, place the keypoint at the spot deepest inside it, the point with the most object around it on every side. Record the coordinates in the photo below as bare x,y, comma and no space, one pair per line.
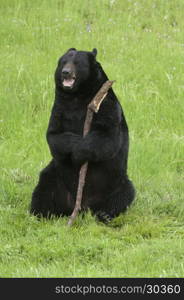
107,191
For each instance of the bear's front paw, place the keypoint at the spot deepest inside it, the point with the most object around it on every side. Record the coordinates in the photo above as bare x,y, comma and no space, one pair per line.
79,157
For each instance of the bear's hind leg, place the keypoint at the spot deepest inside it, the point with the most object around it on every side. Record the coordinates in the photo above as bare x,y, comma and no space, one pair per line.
117,202
43,202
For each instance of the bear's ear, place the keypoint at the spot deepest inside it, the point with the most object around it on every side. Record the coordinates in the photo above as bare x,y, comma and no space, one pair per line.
71,49
94,52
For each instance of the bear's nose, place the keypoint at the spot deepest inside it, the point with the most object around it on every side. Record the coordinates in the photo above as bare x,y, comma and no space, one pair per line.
66,71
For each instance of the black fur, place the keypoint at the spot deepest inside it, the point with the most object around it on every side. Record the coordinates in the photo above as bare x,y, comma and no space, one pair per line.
107,191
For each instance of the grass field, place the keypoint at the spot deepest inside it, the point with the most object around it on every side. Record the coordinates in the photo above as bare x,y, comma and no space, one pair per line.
141,46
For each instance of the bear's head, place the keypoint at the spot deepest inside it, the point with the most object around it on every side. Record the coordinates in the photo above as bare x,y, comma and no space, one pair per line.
75,69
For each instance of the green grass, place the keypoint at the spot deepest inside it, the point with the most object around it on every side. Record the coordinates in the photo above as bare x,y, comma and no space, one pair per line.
140,45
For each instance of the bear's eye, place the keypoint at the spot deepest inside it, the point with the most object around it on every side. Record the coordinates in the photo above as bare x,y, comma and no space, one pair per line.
64,61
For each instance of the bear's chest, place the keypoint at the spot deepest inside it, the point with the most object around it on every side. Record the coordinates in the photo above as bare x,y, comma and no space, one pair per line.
73,117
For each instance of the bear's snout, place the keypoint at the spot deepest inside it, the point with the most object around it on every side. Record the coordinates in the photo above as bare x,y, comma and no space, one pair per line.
68,75
68,70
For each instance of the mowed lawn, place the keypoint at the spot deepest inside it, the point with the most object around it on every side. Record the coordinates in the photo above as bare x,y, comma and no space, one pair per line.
141,46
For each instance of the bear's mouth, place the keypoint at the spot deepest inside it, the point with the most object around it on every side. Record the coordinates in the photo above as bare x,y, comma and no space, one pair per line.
69,82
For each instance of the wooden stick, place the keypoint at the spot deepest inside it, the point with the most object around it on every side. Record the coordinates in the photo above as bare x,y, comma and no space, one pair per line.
93,106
